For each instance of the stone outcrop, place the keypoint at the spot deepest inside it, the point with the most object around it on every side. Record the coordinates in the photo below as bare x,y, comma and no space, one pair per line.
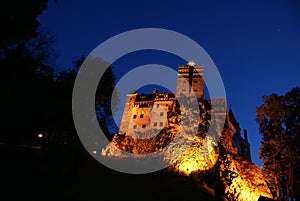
214,164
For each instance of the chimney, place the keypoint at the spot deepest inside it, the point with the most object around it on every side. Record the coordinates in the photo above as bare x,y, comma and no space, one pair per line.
245,135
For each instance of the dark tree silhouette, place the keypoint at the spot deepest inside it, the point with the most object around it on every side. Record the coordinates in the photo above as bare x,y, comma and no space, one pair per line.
279,124
104,104
18,22
34,98
26,57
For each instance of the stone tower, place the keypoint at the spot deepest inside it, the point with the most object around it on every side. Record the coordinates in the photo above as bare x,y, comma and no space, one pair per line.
130,99
190,80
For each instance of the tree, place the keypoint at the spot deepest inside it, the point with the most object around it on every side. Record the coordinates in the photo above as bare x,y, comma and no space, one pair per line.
26,60
104,104
26,86
18,22
279,124
35,98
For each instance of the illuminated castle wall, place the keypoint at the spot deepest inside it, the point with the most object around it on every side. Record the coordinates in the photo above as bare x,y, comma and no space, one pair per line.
146,114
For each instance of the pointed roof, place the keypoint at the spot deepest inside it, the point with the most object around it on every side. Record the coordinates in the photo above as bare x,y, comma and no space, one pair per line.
232,118
191,63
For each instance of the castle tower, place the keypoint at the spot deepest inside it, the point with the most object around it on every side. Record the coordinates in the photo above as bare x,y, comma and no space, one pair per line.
130,99
190,80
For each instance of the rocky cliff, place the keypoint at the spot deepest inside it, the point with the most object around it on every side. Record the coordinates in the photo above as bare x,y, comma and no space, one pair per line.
210,160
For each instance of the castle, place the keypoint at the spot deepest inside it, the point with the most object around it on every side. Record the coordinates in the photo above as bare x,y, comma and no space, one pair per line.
217,157
147,114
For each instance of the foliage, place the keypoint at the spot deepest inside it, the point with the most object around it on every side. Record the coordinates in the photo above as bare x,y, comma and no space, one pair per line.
26,69
18,21
104,104
35,98
279,124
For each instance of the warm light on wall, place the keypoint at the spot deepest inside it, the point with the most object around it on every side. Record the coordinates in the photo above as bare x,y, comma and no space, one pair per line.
197,159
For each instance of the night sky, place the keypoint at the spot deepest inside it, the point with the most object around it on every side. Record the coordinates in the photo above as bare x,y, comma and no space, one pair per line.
255,45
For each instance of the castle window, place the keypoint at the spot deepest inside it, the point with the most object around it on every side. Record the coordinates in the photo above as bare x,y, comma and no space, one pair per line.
195,81
134,116
167,105
144,126
155,124
195,89
161,114
161,124
142,115
134,127
157,106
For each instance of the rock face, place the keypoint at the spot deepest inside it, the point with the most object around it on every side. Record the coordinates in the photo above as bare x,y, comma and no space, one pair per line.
212,162
242,180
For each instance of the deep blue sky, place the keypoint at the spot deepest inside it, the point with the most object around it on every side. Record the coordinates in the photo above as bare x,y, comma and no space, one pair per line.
254,44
